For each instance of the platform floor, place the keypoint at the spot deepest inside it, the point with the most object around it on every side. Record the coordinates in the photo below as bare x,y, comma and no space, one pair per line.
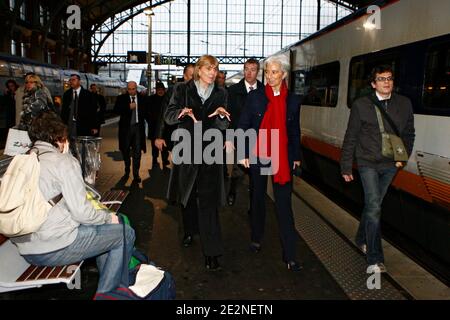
327,273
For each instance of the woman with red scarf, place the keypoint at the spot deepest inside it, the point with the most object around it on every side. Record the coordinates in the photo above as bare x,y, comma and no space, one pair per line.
274,114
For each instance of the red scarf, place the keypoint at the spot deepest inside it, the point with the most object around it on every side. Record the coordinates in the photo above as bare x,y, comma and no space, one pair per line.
275,118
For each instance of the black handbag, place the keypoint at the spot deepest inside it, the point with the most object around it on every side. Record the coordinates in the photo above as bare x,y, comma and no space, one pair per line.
392,145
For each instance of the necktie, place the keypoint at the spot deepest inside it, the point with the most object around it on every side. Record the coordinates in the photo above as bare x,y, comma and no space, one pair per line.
75,104
251,88
134,118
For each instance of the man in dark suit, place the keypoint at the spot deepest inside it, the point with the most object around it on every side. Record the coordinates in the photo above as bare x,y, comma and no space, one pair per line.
155,107
78,110
132,110
101,107
237,95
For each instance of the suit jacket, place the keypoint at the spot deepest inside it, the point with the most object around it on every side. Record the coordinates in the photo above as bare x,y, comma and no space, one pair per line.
252,115
237,96
87,111
209,176
122,108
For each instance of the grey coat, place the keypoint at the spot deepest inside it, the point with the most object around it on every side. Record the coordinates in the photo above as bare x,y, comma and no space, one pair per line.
60,173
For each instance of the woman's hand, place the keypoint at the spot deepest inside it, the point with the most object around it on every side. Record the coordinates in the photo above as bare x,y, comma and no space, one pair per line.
221,111
187,112
245,163
114,218
229,147
399,164
160,144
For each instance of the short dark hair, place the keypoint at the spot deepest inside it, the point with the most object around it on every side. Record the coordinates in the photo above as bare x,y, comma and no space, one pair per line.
92,84
11,81
252,61
48,127
380,69
31,73
75,75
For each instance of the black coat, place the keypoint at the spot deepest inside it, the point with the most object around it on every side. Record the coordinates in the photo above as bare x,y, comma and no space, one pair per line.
155,107
363,138
184,175
122,108
101,108
237,96
87,111
253,114
163,130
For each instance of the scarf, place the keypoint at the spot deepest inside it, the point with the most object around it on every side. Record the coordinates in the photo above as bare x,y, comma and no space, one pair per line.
277,150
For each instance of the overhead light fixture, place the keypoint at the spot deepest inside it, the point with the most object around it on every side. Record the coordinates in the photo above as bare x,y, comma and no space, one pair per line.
149,12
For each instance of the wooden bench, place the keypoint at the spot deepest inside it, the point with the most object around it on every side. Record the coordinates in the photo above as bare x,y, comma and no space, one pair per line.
17,274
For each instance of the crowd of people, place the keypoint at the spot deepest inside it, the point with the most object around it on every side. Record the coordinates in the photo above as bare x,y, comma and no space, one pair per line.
202,102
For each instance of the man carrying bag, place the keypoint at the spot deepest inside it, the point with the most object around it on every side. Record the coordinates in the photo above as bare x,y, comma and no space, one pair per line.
380,134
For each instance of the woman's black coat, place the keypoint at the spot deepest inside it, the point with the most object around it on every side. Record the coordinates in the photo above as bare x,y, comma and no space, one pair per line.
210,179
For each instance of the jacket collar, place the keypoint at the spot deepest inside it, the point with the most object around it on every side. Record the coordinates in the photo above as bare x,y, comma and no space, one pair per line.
45,146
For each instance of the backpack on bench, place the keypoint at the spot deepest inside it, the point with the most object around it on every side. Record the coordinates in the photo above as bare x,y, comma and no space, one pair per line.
23,208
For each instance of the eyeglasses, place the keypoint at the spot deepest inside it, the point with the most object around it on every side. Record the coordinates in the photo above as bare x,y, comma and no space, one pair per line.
384,79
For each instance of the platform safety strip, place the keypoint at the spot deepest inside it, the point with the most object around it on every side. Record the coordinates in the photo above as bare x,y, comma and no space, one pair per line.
342,261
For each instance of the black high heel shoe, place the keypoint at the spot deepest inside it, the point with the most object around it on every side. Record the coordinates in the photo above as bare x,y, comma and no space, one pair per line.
293,266
255,247
187,240
211,263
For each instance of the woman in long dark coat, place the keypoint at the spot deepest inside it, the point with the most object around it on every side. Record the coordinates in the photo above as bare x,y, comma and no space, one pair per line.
199,187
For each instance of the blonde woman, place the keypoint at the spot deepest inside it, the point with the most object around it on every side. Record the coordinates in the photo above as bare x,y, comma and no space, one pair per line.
35,101
199,187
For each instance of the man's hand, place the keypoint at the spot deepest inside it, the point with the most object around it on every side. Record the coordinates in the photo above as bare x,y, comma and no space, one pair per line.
348,177
221,111
94,131
245,163
132,105
160,143
187,112
399,164
229,147
297,164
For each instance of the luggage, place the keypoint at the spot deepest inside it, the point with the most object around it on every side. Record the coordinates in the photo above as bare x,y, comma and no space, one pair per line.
164,290
146,281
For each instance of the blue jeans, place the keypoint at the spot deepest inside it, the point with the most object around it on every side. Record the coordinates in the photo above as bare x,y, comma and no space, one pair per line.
105,242
375,184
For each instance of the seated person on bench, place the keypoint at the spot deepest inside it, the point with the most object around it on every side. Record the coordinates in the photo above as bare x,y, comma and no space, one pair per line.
74,229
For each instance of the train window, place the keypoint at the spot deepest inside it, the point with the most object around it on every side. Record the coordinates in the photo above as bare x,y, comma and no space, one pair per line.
4,68
318,85
27,68
360,69
17,70
436,90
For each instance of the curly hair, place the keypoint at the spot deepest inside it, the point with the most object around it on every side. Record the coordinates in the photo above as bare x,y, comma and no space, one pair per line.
48,127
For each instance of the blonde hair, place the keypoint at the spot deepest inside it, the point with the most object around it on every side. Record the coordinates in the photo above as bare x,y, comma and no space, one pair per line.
34,78
205,60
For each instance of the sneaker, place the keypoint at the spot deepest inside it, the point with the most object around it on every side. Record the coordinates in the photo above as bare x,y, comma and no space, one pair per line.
377,268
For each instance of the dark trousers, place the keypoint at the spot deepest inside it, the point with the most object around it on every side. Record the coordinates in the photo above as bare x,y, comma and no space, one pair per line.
132,149
283,206
164,154
375,184
202,213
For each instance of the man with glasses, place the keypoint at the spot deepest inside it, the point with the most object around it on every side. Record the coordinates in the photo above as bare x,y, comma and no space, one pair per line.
363,140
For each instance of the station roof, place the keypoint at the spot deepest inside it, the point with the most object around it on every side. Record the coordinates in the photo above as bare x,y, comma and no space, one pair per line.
97,11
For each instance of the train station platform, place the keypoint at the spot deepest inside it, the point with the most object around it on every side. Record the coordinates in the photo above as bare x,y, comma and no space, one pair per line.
332,266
